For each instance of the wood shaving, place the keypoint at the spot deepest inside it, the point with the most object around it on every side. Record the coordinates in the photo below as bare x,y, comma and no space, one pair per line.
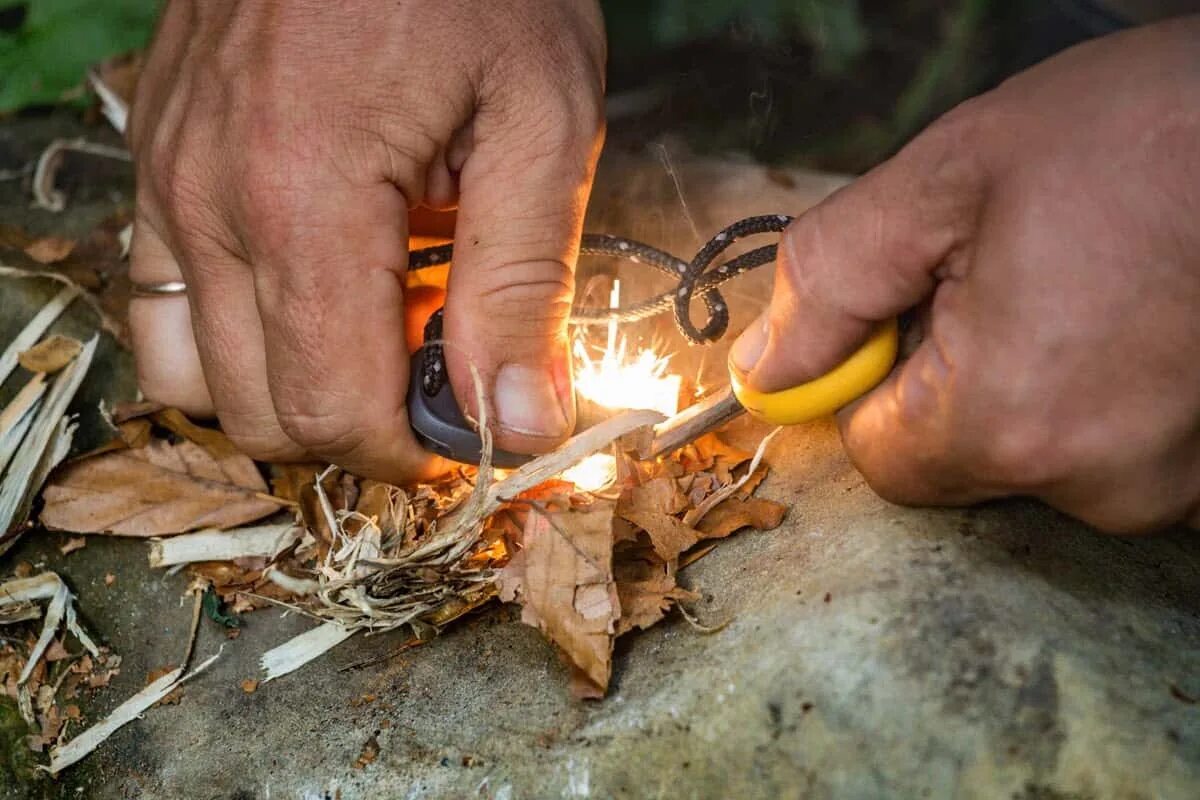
83,744
42,448
262,541
45,195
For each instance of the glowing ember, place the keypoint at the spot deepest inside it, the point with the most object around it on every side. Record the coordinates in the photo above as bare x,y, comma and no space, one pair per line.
619,381
593,473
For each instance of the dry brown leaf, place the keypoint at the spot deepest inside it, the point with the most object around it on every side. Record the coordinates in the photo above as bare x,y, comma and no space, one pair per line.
737,513
289,480
56,651
710,447
239,468
49,249
661,495
311,512
131,435
646,587
702,485
134,433
380,502
123,412
563,579
157,490
226,577
753,481
668,535
50,354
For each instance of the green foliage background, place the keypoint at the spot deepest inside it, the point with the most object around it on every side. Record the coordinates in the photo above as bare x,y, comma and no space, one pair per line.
46,54
831,83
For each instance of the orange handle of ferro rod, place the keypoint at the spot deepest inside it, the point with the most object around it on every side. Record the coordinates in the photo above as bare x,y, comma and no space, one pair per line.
854,377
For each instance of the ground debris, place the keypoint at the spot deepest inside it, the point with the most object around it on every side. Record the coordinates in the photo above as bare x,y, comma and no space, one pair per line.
369,752
35,429
38,668
585,566
72,544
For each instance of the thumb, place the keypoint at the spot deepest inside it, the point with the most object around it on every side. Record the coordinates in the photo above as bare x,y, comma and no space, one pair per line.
521,205
865,254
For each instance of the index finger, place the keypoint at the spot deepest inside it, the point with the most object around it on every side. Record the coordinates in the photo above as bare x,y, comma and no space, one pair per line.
328,260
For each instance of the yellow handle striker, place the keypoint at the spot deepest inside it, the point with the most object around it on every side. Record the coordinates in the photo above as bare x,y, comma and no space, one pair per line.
820,397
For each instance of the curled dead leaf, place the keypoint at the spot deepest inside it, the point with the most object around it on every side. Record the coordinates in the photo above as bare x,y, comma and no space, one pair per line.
51,354
49,249
736,513
668,535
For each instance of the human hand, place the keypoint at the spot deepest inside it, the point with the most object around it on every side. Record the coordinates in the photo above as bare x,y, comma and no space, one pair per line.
1051,226
279,147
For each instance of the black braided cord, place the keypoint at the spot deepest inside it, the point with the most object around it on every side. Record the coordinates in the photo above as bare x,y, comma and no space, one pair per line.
695,277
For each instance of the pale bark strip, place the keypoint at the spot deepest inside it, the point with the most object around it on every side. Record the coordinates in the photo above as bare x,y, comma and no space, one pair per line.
33,331
83,744
11,436
28,590
54,615
299,650
42,442
265,541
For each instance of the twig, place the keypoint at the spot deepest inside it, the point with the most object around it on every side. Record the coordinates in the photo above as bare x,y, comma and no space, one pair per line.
47,197
197,606
697,625
716,498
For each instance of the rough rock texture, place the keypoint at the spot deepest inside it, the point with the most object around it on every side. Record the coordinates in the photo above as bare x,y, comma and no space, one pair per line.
870,650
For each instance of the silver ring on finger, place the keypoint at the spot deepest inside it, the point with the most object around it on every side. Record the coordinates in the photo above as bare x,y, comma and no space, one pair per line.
159,289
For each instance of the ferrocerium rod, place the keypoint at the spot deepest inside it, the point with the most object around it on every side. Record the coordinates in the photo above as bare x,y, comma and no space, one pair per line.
690,424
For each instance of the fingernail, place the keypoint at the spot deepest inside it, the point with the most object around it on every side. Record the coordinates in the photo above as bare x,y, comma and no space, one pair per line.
526,402
749,347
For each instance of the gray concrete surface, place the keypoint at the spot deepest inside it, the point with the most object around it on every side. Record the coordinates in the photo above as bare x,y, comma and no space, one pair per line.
871,651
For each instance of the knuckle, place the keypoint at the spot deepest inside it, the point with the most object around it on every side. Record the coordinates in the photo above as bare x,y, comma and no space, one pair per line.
959,128
263,443
812,265
1021,453
952,158
330,435
374,143
187,195
528,290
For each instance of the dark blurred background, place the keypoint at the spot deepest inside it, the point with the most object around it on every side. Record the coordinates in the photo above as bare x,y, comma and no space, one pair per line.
833,84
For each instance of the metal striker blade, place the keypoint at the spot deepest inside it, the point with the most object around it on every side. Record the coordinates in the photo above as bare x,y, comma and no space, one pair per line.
690,424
